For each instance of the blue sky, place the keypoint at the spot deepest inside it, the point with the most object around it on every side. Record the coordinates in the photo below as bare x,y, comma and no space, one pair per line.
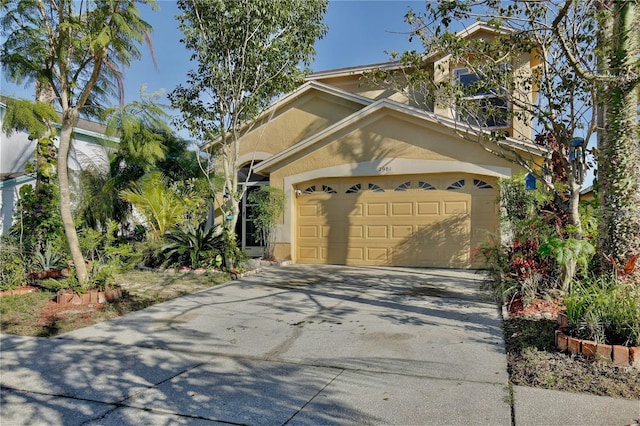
359,33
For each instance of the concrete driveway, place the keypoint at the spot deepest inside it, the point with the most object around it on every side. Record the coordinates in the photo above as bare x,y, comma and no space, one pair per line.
296,345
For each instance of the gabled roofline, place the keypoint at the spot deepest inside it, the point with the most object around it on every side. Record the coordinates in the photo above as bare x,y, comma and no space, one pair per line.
297,93
393,65
309,86
355,70
432,118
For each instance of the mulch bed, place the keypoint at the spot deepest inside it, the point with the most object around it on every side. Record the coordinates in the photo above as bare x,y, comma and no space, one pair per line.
534,361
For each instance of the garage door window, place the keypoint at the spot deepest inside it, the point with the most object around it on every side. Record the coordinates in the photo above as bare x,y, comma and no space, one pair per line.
354,189
324,188
403,187
480,184
375,188
426,186
456,185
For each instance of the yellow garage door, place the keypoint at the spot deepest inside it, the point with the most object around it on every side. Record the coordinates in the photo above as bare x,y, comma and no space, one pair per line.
426,220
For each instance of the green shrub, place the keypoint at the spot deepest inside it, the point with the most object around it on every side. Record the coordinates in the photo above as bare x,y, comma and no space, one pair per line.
12,268
269,205
604,309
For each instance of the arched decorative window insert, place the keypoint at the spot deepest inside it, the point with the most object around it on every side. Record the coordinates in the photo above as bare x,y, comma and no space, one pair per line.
481,184
403,187
375,188
324,188
456,185
354,189
426,186
310,190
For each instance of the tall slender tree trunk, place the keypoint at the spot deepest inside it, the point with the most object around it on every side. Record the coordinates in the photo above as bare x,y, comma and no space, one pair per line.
69,119
619,157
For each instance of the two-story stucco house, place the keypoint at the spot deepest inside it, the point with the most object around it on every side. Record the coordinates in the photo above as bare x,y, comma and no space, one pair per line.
371,179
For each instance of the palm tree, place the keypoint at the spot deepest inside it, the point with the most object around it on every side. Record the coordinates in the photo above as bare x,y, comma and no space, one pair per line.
72,51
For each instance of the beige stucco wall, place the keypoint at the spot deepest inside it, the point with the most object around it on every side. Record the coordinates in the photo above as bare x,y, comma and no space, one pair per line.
302,118
386,143
386,135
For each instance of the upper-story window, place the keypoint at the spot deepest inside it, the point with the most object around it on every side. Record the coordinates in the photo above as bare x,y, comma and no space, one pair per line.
483,106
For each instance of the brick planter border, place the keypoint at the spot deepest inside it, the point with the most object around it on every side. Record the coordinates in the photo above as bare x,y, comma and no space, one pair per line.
624,356
19,290
90,297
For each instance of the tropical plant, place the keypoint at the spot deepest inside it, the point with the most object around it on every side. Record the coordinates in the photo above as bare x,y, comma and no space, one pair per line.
108,255
47,259
71,51
568,253
37,216
12,267
604,309
193,246
247,52
514,261
160,205
141,127
268,207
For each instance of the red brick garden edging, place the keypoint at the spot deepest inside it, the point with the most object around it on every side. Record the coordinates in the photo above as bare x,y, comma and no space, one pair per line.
19,290
623,356
91,296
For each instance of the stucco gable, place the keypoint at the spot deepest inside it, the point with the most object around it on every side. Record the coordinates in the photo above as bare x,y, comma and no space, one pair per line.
306,89
297,116
372,113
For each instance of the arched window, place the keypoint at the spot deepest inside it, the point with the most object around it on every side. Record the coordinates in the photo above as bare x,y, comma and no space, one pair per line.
456,185
403,186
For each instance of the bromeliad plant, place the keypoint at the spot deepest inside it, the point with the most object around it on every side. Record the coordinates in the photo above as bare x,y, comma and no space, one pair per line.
196,247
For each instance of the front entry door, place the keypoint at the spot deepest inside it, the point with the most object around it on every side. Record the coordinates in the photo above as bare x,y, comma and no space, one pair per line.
245,228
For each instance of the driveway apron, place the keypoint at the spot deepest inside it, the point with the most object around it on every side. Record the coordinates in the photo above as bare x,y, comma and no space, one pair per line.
304,344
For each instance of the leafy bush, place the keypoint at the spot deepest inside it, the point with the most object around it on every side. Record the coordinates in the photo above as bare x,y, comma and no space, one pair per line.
539,251
514,262
12,269
107,255
269,206
604,309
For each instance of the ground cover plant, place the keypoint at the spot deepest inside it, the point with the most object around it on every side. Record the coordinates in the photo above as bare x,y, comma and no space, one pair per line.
544,267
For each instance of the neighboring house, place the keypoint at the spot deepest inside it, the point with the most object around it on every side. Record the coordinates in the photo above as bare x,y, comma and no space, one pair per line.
587,194
371,179
89,148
